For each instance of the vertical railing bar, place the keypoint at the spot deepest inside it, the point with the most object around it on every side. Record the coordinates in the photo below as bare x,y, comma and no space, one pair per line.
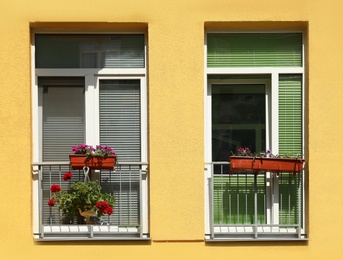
50,183
272,177
264,207
40,200
299,205
265,200
140,202
237,186
255,204
230,211
60,183
119,195
211,186
130,193
222,200
289,198
230,200
246,198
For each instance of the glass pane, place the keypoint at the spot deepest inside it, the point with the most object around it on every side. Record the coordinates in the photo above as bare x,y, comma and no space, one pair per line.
90,51
238,119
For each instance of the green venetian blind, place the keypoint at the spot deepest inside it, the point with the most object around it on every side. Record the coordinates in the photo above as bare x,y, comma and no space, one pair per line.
254,50
233,198
290,114
290,142
90,51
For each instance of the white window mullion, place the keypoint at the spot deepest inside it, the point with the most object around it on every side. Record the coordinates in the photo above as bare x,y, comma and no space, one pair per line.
144,121
91,111
274,147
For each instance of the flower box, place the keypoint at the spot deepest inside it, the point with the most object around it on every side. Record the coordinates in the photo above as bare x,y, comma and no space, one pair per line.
78,161
260,164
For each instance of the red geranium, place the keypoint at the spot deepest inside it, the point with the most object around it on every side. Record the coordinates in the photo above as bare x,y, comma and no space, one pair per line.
103,207
67,176
108,210
52,202
55,188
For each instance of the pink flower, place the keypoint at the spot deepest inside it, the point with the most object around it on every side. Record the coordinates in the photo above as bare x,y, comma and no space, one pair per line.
52,202
67,176
55,188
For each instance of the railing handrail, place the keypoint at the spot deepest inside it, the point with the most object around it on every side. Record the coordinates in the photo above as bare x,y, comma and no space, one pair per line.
215,163
66,163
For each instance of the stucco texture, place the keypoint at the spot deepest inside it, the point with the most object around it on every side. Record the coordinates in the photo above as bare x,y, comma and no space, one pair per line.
175,32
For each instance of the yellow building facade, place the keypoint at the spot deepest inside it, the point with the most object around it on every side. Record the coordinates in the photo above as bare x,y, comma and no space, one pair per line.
176,77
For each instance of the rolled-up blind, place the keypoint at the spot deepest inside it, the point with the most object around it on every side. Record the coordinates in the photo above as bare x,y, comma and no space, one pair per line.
120,117
254,49
120,128
63,116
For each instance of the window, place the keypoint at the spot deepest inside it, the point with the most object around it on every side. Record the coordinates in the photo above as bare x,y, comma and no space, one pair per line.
91,88
254,98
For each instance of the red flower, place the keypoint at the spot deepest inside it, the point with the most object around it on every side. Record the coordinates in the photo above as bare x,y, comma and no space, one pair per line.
52,202
55,188
67,176
108,210
101,205
104,207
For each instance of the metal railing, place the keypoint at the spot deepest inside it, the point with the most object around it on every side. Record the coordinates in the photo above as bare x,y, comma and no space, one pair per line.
245,206
127,182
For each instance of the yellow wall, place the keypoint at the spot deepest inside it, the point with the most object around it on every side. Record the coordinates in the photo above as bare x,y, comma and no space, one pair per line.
176,122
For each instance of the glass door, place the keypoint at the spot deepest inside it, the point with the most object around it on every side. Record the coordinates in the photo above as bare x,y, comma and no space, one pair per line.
238,119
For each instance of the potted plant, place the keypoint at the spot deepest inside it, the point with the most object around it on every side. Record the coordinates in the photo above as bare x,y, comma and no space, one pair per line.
245,161
100,157
83,201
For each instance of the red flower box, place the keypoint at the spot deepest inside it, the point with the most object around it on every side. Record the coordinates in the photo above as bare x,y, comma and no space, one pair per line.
78,161
258,164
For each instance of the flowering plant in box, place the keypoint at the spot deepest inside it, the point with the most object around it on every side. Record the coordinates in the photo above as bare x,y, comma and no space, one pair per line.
246,161
245,151
82,197
88,150
100,157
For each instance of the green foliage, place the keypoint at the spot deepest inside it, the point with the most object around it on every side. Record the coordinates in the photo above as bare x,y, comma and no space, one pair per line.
82,196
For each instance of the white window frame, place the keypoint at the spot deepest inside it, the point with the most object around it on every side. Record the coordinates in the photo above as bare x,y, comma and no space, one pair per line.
272,132
92,77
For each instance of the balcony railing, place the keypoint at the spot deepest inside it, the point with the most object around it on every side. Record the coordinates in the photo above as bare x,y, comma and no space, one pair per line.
245,206
127,182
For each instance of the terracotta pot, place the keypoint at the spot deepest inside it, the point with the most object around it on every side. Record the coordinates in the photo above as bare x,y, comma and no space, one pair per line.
258,164
78,161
